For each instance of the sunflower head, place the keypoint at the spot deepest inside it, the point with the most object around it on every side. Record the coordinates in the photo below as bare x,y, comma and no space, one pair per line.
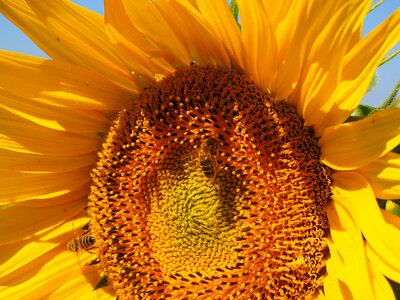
208,160
195,188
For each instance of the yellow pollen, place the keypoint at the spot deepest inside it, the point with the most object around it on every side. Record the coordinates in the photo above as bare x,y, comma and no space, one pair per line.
207,188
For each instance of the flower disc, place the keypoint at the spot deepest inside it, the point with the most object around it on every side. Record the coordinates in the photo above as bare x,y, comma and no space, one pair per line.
207,188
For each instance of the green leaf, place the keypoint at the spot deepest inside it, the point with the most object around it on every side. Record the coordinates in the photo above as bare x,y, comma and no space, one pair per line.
373,84
102,283
396,288
389,57
392,100
393,207
376,5
235,11
364,110
396,149
381,203
361,112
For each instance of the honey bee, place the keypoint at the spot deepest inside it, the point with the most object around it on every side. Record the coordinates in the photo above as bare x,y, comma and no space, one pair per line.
208,164
83,242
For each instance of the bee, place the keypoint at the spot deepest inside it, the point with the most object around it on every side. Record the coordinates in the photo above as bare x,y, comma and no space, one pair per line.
83,242
208,164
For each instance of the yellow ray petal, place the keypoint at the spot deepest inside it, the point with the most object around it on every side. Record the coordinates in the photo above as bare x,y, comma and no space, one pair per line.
259,41
335,286
30,272
382,238
22,16
18,223
16,162
391,218
14,256
82,287
83,31
384,265
58,84
319,295
38,279
41,185
388,268
289,19
325,62
382,288
304,30
347,241
353,145
195,34
52,117
218,15
57,198
383,175
146,18
144,58
8,143
359,68
286,18
78,30
39,139
278,12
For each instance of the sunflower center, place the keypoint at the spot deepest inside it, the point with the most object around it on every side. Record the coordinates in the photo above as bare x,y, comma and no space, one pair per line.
207,188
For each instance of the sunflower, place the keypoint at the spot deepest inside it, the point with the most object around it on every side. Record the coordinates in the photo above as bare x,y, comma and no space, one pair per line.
166,152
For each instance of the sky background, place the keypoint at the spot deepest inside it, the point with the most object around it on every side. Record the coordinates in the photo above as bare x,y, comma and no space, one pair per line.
11,38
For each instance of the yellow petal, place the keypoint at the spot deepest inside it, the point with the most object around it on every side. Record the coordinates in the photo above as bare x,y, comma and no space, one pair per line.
8,143
22,16
39,139
41,185
304,31
355,144
57,84
323,70
383,175
219,16
319,295
40,278
189,26
391,218
147,19
335,286
16,162
359,68
56,198
17,255
79,31
83,32
290,21
18,223
382,288
386,266
143,57
347,241
259,41
54,117
382,238
43,171
82,287
278,12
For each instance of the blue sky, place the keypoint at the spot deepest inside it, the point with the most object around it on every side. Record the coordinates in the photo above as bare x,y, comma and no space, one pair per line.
11,38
